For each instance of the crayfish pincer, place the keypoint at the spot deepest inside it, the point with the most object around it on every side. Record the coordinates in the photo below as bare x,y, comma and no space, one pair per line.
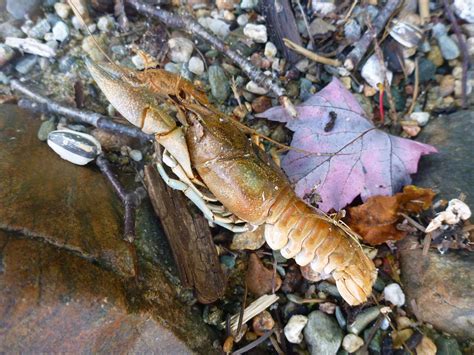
210,150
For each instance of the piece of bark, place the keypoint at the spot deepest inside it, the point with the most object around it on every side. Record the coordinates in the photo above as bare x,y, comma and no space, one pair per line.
281,24
190,239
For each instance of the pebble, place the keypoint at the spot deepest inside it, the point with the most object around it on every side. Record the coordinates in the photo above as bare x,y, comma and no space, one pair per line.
6,54
89,46
20,8
435,56
8,29
322,334
216,26
302,65
180,49
320,27
411,131
196,66
25,64
60,31
372,72
172,67
468,29
261,104
403,322
426,70
421,118
105,24
243,19
219,83
45,128
400,337
306,89
62,10
426,347
258,33
138,61
39,30
449,48
446,85
351,343
255,89
447,346
363,319
136,155
323,8
228,261
458,89
270,50
225,4
352,30
294,328
340,317
248,4
464,9
251,240
262,323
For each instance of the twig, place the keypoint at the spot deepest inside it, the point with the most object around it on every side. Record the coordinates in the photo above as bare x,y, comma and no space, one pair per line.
305,19
348,15
361,47
426,244
424,10
416,89
40,103
413,222
189,24
130,200
254,343
311,55
463,47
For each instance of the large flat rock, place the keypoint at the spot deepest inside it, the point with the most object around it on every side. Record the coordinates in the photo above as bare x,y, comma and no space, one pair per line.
68,282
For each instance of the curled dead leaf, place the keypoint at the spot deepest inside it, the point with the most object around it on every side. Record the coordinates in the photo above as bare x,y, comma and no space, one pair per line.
261,280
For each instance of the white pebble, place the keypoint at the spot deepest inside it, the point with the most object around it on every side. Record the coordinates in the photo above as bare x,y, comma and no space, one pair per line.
323,8
351,343
270,50
62,10
216,26
294,328
60,31
421,117
248,4
136,155
180,49
302,65
256,32
465,9
255,89
105,24
372,72
196,65
243,19
385,324
138,61
393,293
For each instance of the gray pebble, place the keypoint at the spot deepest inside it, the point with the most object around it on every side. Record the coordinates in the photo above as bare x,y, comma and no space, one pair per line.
19,8
185,72
45,128
449,48
6,54
40,29
352,30
248,4
340,318
172,67
136,155
322,334
106,24
329,288
363,319
60,31
305,89
220,87
25,64
4,79
7,29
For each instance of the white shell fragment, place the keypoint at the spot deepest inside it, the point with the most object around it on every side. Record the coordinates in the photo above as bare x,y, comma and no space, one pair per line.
373,72
75,147
393,293
406,34
455,212
294,328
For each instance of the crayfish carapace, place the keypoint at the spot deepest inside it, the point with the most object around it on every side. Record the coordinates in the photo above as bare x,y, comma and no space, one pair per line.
208,149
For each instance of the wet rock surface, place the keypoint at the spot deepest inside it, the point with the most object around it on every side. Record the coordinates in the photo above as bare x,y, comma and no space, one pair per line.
68,283
441,286
449,171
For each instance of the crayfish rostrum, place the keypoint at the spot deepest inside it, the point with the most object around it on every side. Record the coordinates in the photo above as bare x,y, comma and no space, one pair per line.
209,150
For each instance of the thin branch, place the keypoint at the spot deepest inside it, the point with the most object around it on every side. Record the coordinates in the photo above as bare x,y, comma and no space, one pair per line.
39,103
354,57
305,19
416,88
311,55
189,24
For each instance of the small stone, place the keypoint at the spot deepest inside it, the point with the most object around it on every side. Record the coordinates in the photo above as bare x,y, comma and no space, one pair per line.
261,104
180,49
228,261
225,4
411,131
105,24
62,10
90,47
219,83
369,91
20,8
449,48
294,328
363,319
6,54
320,27
373,72
323,8
464,9
39,30
458,89
351,343
60,31
260,280
196,66
216,26
393,293
352,30
302,65
327,307
136,155
447,346
426,70
243,19
306,89
251,240
25,64
468,29
255,89
8,29
403,322
457,73
426,347
248,4
400,337
270,50
258,33
421,118
46,128
446,85
263,323
173,67
322,334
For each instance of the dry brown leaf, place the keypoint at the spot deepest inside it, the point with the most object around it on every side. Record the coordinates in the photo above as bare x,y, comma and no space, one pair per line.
261,280
377,219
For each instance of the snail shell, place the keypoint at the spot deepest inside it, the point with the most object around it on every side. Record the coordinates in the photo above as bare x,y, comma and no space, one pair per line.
406,34
75,147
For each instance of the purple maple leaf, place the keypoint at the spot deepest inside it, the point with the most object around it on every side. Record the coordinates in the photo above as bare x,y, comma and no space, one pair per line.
349,156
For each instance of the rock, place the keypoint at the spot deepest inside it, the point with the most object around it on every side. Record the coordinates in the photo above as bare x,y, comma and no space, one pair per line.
39,29
219,83
260,280
243,19
31,45
393,293
322,334
248,4
261,104
173,67
62,10
372,72
363,319
45,128
6,54
136,155
216,26
323,8
440,285
449,48
90,47
411,131
225,4
426,347
20,8
421,118
435,56
306,89
251,240
352,30
262,323
255,89
446,85
60,31
351,343
196,66
180,49
447,346
25,64
320,27
105,24
270,50
258,33
447,171
294,328
8,29
67,275
464,9
426,70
